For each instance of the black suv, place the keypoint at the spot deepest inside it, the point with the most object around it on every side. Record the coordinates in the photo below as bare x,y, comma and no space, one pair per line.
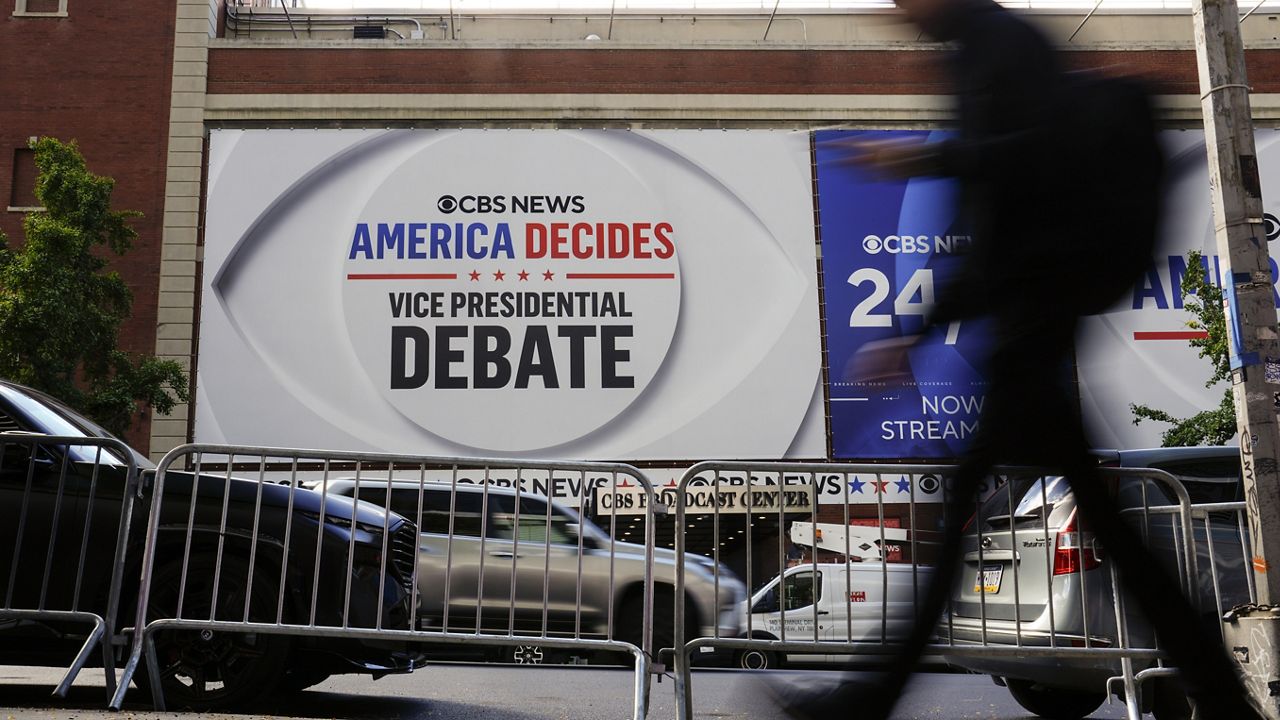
60,515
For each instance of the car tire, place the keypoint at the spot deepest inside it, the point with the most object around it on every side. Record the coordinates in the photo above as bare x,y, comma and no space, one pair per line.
213,670
1054,703
631,620
756,660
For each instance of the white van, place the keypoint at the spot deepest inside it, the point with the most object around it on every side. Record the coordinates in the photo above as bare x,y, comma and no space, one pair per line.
828,605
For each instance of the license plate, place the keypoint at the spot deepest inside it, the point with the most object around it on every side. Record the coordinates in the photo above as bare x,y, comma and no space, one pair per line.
988,580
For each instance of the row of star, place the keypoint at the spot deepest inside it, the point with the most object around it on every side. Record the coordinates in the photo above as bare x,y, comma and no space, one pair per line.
879,486
498,275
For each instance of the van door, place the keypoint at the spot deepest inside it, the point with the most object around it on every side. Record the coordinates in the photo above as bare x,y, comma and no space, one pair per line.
791,610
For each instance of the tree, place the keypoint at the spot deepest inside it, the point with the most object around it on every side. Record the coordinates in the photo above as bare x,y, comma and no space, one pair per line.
1208,427
61,309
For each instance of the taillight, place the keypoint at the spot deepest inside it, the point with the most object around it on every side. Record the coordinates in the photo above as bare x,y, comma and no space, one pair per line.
1075,550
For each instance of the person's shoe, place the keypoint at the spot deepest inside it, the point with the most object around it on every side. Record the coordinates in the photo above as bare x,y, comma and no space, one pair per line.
863,695
1223,707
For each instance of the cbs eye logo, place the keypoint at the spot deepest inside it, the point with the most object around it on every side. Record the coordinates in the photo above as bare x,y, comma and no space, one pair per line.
472,204
1272,225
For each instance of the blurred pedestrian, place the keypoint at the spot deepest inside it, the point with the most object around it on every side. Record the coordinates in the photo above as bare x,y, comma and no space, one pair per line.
1037,195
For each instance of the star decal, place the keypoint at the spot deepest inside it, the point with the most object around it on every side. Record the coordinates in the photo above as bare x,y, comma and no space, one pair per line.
498,275
880,485
855,485
523,276
548,275
904,485
475,275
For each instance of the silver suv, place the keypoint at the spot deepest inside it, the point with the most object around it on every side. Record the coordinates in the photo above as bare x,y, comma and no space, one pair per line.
570,578
1043,537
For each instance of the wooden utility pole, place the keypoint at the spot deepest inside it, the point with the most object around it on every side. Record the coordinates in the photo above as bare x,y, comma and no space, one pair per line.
1236,190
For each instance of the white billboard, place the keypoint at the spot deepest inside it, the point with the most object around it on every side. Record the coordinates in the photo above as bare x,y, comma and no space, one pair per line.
602,294
1139,352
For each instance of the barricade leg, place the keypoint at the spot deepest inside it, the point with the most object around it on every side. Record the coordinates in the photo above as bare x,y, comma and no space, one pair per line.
82,657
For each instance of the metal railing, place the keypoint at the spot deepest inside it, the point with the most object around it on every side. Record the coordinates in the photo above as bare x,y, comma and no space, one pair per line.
67,503
1033,584
240,555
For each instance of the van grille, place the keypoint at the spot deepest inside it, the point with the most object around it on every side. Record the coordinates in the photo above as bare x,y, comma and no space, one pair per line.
404,553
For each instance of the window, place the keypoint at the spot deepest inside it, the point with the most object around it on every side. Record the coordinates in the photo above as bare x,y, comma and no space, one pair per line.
22,191
1211,480
537,523
799,591
467,518
41,8
1035,502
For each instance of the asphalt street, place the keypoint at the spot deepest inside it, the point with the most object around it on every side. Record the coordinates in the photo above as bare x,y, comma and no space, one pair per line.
449,691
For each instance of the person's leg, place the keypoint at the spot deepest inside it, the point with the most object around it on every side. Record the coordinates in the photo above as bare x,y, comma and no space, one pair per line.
1207,672
874,699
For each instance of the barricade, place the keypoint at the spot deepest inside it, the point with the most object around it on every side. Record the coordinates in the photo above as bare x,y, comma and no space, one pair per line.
1223,577
246,571
1023,539
66,505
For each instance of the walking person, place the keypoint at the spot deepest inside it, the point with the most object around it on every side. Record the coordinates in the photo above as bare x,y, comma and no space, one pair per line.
1032,199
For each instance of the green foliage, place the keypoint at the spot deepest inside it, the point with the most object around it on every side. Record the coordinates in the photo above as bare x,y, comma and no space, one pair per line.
1209,427
61,309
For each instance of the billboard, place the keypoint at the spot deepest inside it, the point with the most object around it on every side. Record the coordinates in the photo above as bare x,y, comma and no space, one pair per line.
589,294
1138,352
886,245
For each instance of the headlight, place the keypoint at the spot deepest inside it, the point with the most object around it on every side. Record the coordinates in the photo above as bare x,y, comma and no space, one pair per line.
344,523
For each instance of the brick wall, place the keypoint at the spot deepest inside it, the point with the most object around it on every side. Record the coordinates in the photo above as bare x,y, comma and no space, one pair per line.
257,70
100,76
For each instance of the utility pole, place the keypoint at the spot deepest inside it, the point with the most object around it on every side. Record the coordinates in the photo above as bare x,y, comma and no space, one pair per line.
1254,350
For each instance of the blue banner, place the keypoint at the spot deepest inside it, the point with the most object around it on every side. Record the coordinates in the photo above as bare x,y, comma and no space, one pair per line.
887,246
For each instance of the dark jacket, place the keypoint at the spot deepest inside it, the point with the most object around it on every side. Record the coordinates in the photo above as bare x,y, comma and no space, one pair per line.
1009,89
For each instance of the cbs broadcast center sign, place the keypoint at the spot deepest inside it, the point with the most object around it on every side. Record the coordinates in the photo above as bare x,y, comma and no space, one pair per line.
586,294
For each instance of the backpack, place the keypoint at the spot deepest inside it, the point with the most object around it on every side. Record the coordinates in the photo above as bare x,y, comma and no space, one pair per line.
1112,171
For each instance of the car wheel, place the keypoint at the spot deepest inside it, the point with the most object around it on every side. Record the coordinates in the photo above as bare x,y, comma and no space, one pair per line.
1054,703
756,660
213,669
631,620
526,655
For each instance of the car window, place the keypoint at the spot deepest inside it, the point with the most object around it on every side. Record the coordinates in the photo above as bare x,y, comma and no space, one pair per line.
436,506
798,591
536,522
8,424
51,421
1209,480
1134,493
1035,500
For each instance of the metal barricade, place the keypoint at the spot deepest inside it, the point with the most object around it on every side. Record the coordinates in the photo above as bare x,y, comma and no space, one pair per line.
1040,588
250,579
1221,578
66,504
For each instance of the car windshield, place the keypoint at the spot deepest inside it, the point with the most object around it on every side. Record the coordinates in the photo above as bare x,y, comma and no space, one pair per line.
54,418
